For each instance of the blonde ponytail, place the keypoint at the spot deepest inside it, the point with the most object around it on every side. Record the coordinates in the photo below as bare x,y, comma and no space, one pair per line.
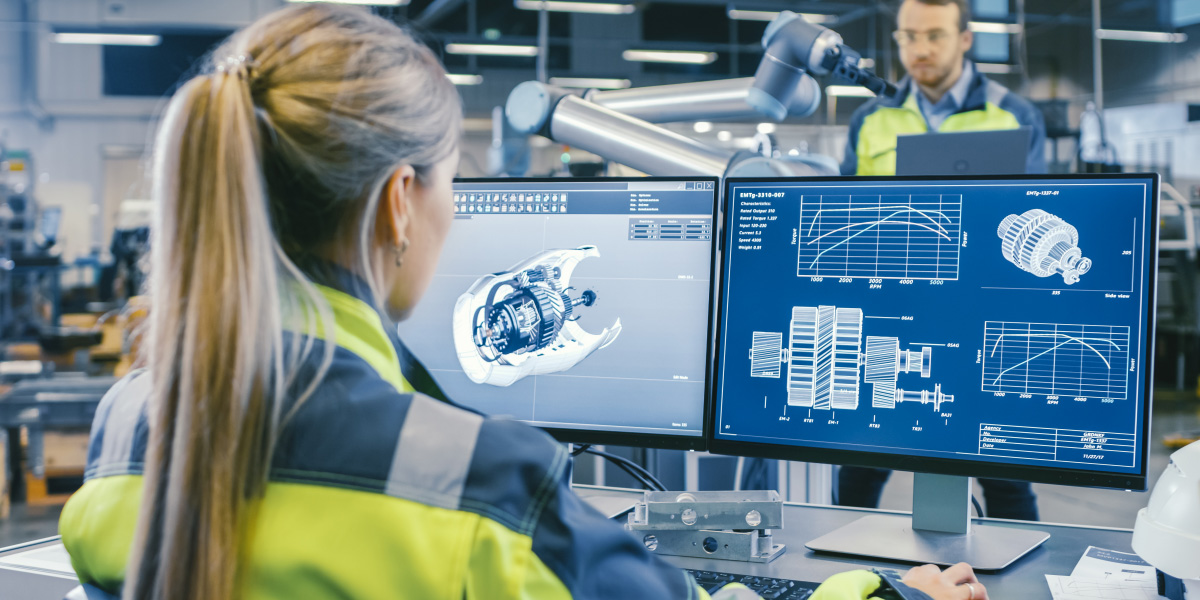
215,344
284,145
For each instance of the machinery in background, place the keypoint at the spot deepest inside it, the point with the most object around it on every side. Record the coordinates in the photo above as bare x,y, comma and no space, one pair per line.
619,125
1159,138
30,291
131,247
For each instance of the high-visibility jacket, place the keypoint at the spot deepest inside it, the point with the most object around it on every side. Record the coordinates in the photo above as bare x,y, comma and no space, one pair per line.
988,106
377,490
380,491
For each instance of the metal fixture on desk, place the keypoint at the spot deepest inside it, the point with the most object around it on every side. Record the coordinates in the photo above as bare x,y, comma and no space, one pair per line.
723,525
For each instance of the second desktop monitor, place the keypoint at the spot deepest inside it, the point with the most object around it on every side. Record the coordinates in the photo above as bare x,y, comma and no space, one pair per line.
979,326
578,305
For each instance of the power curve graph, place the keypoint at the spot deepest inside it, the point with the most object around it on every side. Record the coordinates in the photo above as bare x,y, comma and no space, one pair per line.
892,237
1055,359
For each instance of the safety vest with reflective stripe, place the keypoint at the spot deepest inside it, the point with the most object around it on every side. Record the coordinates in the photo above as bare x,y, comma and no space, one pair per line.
377,491
988,106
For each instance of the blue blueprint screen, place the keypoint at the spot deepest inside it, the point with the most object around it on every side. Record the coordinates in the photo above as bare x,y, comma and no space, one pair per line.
999,320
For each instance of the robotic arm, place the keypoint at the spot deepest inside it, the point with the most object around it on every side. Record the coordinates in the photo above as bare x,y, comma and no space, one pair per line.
793,46
618,124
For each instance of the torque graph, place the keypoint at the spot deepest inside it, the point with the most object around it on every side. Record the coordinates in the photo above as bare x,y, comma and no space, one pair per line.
893,237
1058,360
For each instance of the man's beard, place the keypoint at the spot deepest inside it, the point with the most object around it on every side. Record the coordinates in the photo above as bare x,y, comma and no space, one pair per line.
935,79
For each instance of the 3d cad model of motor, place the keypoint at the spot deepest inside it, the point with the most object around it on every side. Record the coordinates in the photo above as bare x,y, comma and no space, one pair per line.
1043,244
823,361
522,322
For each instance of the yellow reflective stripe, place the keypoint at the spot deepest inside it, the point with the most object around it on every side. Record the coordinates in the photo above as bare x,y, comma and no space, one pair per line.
877,138
358,328
911,103
502,565
309,541
313,541
849,585
991,118
97,527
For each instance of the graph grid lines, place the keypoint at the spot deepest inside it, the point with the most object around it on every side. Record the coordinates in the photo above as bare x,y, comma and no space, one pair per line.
887,237
1055,359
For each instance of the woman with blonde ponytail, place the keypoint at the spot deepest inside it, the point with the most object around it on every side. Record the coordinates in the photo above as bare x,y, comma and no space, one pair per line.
282,442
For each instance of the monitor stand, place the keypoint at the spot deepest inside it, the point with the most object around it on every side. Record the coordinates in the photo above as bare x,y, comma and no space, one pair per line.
940,531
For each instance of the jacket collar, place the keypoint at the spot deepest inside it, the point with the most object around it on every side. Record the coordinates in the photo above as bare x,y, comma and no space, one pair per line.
333,275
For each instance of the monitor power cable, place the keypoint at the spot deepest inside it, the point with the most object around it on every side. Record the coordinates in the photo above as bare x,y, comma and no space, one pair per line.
634,470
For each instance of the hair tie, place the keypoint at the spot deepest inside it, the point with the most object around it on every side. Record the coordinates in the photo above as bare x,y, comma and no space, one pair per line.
241,65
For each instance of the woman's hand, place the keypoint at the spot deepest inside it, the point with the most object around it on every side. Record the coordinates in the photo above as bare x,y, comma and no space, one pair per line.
955,583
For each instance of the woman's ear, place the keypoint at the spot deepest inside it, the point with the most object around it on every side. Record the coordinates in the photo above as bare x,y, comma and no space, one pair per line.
395,206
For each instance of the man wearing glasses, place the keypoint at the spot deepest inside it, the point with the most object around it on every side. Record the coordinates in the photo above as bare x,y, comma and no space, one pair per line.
943,92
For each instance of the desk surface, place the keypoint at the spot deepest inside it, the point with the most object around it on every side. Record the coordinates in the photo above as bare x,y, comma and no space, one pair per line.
1025,578
20,585
803,522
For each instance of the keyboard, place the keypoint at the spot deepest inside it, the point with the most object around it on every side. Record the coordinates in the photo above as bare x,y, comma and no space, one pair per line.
767,587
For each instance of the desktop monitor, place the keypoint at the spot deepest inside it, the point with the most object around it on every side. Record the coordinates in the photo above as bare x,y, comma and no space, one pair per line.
581,306
953,326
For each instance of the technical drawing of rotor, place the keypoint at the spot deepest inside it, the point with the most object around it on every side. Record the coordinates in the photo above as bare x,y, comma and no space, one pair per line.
1043,244
823,360
885,361
522,322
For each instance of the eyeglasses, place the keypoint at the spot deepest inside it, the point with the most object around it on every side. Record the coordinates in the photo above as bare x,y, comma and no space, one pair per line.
935,37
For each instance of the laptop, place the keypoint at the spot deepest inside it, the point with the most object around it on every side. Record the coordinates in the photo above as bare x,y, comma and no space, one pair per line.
1000,152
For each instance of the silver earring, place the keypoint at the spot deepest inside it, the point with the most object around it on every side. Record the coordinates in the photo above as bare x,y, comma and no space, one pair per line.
400,250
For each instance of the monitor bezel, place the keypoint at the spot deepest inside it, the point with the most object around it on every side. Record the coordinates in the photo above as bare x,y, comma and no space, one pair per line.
662,441
943,466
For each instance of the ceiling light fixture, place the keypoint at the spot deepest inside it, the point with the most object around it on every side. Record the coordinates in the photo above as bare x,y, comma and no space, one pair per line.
997,68
108,39
491,49
360,2
985,27
596,8
765,128
1124,35
461,79
670,56
598,83
702,127
769,15
848,91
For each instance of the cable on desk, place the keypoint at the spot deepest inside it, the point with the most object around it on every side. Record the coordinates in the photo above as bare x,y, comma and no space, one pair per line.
978,508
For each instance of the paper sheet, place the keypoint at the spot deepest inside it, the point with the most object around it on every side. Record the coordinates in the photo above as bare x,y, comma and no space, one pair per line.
1115,567
51,560
1106,575
1077,588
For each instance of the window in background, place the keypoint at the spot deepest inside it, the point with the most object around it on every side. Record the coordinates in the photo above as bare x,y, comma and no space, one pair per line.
156,70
